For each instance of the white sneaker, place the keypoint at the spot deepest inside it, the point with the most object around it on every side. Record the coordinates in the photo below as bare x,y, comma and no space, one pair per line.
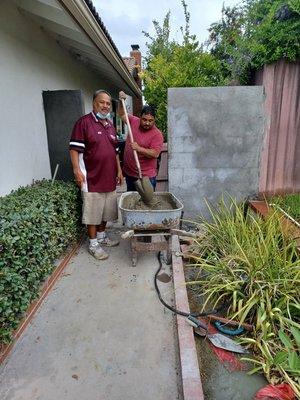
97,251
106,241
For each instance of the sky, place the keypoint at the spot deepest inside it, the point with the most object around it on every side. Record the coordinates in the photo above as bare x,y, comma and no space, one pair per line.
126,19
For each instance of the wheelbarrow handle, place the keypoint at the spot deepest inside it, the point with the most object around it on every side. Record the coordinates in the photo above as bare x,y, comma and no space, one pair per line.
180,232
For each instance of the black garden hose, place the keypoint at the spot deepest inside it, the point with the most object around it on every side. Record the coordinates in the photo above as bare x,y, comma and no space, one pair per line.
185,314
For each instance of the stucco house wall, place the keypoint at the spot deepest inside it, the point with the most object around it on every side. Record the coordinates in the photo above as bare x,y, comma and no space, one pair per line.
32,62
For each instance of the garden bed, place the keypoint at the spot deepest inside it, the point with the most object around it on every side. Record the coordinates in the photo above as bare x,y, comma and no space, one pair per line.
251,265
206,374
223,374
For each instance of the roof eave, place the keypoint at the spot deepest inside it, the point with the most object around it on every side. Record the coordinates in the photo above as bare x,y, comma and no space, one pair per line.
84,17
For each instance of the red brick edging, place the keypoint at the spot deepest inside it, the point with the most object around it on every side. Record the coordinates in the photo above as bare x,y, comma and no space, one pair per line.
190,372
33,308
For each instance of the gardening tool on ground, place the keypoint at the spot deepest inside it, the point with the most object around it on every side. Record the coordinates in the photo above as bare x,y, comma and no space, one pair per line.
217,339
229,322
143,184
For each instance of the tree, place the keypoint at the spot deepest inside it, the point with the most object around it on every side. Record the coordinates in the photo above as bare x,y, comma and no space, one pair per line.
172,64
258,32
224,37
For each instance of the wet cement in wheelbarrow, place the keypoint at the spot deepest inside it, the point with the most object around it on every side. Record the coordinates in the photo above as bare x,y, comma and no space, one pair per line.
160,202
220,383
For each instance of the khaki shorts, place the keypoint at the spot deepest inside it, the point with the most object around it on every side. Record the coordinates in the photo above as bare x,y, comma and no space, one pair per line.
98,207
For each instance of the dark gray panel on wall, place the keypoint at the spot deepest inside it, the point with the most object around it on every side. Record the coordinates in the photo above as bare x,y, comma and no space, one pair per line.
62,109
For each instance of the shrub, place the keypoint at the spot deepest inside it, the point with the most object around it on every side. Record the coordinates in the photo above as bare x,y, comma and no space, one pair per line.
37,223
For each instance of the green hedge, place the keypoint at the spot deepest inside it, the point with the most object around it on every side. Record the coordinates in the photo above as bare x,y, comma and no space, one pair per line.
37,223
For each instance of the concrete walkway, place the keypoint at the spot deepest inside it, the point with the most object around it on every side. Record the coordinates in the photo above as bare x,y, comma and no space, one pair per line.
101,334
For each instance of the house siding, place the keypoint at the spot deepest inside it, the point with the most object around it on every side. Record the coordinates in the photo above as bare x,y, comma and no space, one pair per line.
32,62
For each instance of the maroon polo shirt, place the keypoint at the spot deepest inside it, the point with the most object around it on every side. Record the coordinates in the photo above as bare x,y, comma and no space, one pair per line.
150,139
96,142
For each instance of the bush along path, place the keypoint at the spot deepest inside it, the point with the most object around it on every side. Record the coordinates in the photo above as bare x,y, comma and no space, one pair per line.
37,223
251,264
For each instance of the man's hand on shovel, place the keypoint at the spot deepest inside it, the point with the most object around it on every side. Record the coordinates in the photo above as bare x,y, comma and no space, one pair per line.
122,95
135,146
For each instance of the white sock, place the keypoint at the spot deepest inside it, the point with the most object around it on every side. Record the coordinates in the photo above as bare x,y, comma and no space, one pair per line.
93,242
101,235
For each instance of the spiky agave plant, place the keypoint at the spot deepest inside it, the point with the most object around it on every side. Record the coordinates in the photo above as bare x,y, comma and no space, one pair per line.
254,264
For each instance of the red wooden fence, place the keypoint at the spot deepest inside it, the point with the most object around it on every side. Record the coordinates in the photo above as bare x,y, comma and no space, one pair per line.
280,159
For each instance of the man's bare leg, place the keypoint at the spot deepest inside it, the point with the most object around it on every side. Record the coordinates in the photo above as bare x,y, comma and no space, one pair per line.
101,227
92,231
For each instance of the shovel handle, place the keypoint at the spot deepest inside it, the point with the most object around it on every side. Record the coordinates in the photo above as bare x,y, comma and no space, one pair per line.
231,322
136,158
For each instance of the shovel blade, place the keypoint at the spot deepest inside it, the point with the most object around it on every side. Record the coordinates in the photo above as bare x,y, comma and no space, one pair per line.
224,342
145,190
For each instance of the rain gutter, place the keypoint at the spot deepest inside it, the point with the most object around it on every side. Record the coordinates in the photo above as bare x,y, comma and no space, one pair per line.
92,25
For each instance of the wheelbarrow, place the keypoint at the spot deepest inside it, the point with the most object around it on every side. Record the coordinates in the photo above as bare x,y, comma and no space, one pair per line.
150,223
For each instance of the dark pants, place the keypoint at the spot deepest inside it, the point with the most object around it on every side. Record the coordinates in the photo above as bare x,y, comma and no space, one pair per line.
131,186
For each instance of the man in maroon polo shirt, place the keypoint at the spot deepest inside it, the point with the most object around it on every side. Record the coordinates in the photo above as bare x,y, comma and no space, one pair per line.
97,171
148,142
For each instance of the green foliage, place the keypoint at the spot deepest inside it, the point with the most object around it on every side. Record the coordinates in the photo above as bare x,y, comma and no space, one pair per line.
172,64
37,223
290,203
256,33
160,43
254,265
224,36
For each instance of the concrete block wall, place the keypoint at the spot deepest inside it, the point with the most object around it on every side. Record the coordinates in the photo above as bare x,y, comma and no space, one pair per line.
215,137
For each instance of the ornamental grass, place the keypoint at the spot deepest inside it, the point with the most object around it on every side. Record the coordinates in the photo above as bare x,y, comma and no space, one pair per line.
251,264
